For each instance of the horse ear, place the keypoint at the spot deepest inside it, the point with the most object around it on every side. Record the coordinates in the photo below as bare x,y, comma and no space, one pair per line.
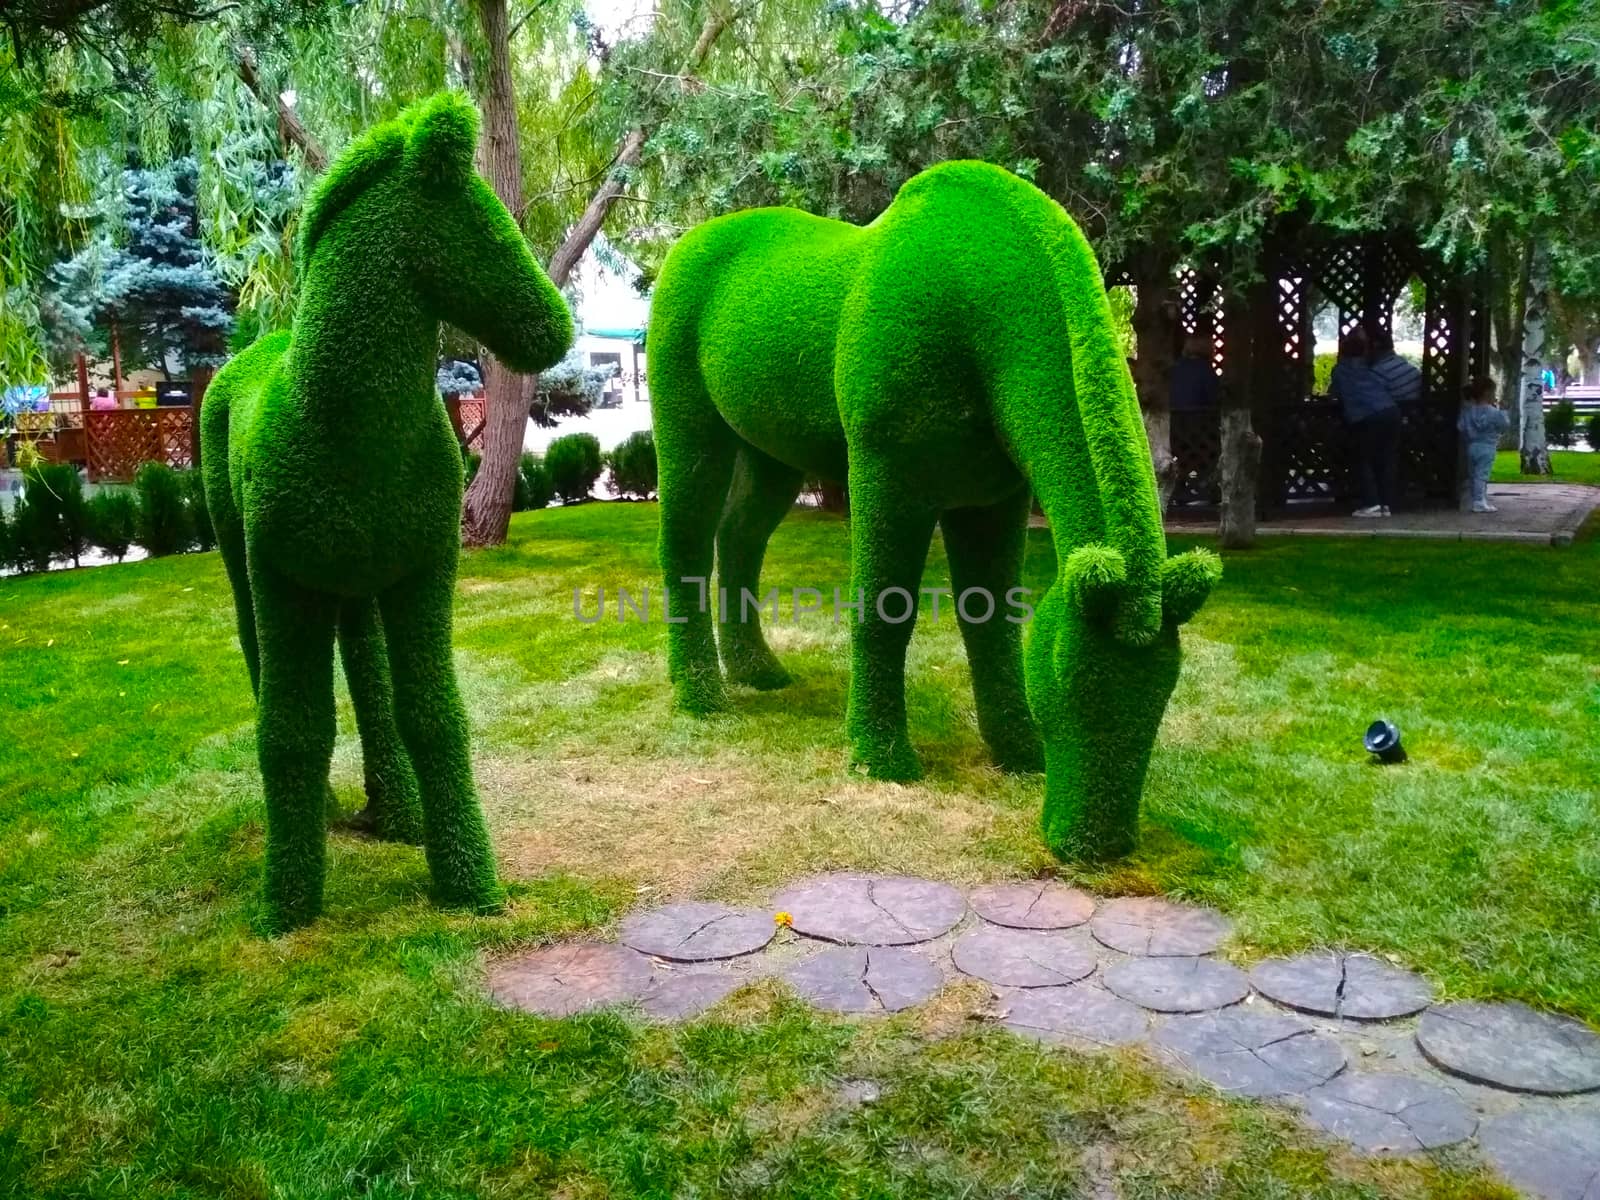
443,138
1094,576
1186,581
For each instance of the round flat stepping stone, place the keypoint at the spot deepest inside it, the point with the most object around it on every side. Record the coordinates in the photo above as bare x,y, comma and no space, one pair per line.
871,910
1511,1046
1025,958
1037,904
1554,1155
685,994
1178,985
1251,1052
1342,985
1148,925
1074,1015
698,932
572,977
1389,1114
865,979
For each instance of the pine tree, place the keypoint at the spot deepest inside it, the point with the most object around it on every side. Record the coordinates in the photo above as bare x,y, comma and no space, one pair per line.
145,273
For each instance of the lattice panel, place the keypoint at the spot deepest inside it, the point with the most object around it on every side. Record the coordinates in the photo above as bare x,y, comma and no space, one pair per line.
1200,310
1197,446
473,410
120,440
1314,452
1428,452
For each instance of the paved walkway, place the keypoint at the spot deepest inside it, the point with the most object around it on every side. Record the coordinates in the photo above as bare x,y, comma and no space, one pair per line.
1544,513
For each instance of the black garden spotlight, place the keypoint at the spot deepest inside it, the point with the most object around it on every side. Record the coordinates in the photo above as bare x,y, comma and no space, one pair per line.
1382,740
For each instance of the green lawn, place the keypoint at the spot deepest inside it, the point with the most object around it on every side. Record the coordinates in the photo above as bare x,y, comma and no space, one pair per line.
152,1045
1569,466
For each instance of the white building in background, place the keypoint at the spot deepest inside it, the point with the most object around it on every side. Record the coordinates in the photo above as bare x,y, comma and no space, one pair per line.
611,318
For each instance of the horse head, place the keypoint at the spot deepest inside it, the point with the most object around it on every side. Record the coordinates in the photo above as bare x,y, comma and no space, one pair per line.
1098,688
410,184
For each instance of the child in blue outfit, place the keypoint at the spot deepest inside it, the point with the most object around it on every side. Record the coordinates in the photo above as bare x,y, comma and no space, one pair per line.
1481,423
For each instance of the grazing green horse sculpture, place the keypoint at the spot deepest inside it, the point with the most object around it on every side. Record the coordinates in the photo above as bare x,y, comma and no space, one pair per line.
951,359
334,481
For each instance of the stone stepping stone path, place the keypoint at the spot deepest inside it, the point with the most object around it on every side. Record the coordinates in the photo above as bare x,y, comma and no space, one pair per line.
696,932
1178,985
864,979
1077,1015
1337,984
1038,904
1389,1113
1097,988
569,978
1251,1052
1554,1155
1146,925
1024,958
872,910
1511,1046
684,994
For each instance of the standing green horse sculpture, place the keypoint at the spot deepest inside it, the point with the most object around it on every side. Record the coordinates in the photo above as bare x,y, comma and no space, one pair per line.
334,480
951,360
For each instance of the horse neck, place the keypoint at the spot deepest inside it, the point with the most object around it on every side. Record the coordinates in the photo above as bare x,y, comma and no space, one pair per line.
364,356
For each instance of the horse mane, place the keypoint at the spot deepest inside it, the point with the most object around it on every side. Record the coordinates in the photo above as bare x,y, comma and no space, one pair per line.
366,160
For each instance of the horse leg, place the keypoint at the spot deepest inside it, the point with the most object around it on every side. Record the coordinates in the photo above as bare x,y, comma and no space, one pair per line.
695,451
433,723
294,741
889,535
985,546
393,811
762,494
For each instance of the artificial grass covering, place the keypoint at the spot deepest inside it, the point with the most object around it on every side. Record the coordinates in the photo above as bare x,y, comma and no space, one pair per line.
334,482
950,360
152,1045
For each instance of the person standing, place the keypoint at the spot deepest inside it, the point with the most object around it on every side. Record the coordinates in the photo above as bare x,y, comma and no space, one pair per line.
1192,384
1402,379
1374,418
1481,423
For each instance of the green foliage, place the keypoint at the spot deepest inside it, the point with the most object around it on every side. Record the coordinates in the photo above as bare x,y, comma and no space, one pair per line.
1322,373
534,488
114,520
51,519
897,354
1591,431
164,525
572,462
400,219
633,466
1561,424
194,499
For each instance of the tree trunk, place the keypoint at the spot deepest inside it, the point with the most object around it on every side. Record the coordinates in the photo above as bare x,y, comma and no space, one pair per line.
1155,329
1241,468
486,509
1535,451
486,513
291,130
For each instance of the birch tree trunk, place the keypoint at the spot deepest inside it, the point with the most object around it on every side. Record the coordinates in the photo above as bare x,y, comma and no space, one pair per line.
486,508
1535,451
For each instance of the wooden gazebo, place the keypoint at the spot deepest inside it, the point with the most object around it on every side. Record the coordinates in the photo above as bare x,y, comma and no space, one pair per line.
1263,350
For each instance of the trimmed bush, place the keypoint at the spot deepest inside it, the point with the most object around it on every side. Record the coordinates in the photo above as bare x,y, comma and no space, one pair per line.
51,520
573,462
633,466
113,521
1322,373
5,538
533,483
163,525
194,497
1591,431
1561,424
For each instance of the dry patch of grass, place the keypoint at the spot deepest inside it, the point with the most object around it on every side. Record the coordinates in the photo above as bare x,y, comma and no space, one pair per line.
734,829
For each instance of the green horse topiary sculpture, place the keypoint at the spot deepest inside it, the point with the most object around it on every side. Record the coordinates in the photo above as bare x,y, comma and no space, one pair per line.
334,481
949,360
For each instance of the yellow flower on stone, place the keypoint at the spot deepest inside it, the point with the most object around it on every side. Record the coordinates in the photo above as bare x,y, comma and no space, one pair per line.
784,919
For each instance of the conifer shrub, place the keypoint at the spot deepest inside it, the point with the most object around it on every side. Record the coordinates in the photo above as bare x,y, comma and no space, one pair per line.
194,498
633,466
534,484
113,521
574,463
163,525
